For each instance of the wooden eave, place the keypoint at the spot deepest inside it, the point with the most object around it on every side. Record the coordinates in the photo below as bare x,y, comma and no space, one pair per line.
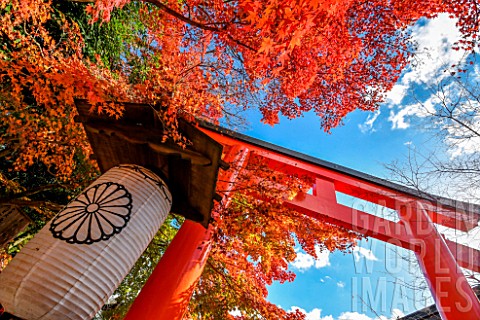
136,138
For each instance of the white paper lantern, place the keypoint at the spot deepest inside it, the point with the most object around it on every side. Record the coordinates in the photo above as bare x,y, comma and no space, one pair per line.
71,267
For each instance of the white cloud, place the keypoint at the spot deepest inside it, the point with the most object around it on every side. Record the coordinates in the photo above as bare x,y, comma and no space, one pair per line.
353,316
433,39
398,119
360,252
322,259
397,313
305,261
459,138
434,51
315,314
235,313
396,94
368,124
325,279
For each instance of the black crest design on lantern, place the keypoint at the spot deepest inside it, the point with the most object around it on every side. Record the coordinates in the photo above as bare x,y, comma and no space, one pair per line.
95,215
149,175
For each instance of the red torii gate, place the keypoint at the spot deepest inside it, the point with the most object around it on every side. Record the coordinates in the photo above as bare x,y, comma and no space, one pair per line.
168,290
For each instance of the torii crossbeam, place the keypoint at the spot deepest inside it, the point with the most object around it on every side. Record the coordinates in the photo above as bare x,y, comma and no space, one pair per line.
166,297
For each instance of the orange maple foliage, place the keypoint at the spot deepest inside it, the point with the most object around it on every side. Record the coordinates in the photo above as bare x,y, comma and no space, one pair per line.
255,242
294,56
40,77
201,58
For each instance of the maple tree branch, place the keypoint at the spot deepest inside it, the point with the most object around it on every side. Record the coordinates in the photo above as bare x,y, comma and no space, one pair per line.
221,274
35,191
208,15
29,203
7,151
233,286
188,20
241,43
185,72
197,24
181,17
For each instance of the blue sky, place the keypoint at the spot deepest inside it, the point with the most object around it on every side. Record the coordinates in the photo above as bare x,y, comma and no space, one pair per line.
332,287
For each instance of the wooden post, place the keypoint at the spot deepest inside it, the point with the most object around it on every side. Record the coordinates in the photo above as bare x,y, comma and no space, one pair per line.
12,222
